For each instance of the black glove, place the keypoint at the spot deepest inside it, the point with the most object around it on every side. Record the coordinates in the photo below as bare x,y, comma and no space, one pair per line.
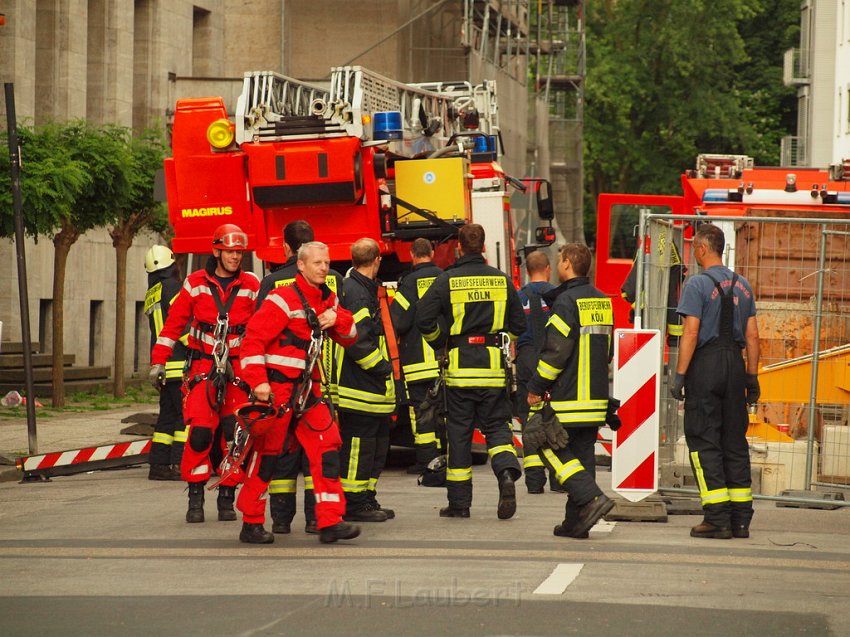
678,388
753,389
611,417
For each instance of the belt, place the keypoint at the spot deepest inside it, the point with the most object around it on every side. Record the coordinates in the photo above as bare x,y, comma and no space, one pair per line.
196,355
481,340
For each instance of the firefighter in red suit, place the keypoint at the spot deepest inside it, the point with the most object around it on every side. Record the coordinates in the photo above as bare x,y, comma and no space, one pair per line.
216,302
279,361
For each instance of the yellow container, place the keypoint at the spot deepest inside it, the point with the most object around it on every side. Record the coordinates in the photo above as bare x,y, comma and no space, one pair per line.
441,186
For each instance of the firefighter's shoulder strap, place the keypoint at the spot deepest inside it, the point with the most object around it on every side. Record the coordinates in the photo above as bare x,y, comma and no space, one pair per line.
389,331
538,318
224,308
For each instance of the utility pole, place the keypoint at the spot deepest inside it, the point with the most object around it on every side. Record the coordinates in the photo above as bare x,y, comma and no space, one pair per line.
15,169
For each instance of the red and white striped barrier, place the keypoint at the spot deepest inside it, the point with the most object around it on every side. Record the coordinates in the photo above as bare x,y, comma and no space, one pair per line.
637,371
63,463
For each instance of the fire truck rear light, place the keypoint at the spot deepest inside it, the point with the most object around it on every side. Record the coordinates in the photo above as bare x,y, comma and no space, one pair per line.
220,134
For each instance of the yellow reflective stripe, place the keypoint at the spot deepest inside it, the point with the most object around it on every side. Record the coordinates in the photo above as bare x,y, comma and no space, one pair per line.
563,472
583,391
354,486
475,382
373,484
547,371
499,308
459,475
403,302
361,314
559,324
308,483
532,461
426,438
174,365
741,495
495,358
282,486
370,360
501,449
584,416
458,312
573,405
715,496
675,329
162,438
369,397
353,459
431,336
181,435
157,318
282,282
425,366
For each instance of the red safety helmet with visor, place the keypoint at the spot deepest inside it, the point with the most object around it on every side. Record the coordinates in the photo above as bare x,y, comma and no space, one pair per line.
229,237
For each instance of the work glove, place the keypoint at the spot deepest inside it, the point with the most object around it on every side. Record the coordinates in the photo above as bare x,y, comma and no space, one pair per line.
543,430
753,389
156,376
678,388
611,417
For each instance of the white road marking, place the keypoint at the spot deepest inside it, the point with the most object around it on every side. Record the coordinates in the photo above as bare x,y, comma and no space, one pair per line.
557,582
603,526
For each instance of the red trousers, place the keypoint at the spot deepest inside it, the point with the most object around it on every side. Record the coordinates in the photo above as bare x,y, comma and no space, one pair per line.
318,434
203,423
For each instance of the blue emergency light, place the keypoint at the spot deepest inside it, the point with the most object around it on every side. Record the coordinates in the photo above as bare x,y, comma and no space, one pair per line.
387,125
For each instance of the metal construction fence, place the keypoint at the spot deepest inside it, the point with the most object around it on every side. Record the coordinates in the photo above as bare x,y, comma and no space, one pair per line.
799,269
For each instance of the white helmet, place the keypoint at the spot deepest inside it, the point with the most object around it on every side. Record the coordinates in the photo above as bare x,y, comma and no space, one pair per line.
158,258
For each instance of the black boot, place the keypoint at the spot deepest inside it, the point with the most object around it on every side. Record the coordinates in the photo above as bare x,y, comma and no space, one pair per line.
163,472
339,531
281,512
255,534
196,502
226,495
507,496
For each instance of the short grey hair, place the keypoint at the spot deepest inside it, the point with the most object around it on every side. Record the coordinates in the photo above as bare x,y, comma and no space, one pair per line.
310,245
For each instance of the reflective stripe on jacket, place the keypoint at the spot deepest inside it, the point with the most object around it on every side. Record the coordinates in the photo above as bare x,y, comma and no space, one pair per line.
573,365
277,336
195,303
476,301
417,357
364,380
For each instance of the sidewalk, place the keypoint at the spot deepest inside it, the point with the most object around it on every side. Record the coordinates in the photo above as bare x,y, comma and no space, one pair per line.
73,430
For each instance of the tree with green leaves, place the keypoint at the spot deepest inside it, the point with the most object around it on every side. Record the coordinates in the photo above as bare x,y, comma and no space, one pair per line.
104,151
139,212
670,79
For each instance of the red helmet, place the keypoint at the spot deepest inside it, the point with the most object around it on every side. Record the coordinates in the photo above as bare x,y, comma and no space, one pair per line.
256,417
229,237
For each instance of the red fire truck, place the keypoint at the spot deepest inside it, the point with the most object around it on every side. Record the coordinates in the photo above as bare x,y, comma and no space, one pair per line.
720,185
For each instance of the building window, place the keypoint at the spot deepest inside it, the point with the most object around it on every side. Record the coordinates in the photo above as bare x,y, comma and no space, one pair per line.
95,329
45,325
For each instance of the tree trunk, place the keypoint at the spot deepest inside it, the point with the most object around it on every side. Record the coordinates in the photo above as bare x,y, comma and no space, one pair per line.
122,242
62,243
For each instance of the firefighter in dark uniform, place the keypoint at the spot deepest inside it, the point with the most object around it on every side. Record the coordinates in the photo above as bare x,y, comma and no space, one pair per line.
528,347
716,383
573,368
290,464
481,308
169,433
365,390
418,360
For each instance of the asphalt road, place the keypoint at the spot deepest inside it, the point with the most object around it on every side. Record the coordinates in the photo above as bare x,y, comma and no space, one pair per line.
108,553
